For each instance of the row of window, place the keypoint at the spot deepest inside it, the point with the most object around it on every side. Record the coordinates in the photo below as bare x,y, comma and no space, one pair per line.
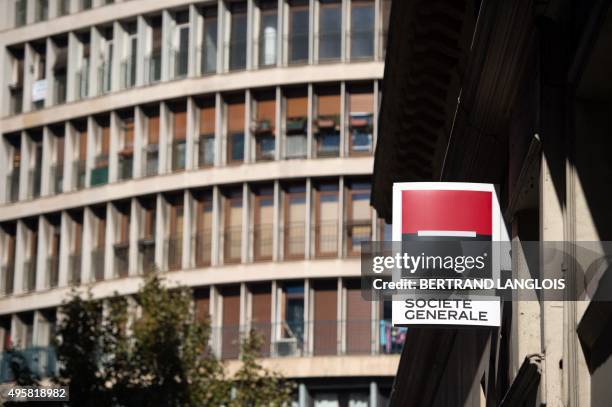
186,229
41,9
296,318
331,120
154,48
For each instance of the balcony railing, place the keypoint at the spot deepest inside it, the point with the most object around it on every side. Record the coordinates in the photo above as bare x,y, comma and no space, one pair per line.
146,254
179,61
294,240
7,279
263,241
41,361
29,275
34,180
78,173
52,277
174,247
232,244
12,183
57,178
326,238
74,269
296,146
122,256
289,339
153,67
203,247
97,263
128,73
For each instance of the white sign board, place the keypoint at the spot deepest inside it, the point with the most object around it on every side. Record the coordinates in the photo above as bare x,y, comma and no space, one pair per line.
447,210
39,90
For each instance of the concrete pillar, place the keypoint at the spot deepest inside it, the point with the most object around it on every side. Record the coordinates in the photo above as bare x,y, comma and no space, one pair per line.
113,151
139,142
219,130
374,402
216,227
41,254
69,155
86,275
310,144
279,139
308,239
92,140
159,232
141,28
192,66
245,238
24,168
250,37
341,217
73,65
221,24
64,250
50,61
343,147
164,138
118,51
187,222
47,157
276,223
167,24
313,31
191,143
109,242
134,229
249,156
95,47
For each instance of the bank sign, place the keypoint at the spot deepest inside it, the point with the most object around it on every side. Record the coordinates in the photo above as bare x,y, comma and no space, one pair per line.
432,211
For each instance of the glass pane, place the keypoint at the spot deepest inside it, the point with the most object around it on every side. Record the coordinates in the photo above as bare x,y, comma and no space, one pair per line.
362,31
237,147
209,61
298,35
238,41
330,22
267,39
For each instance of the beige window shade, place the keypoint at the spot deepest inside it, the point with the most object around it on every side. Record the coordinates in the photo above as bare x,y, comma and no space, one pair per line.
360,206
234,216
149,223
204,216
297,107
105,139
78,237
328,209
328,105
180,125
235,117
266,109
124,227
207,120
176,220
265,211
128,132
361,102
82,136
296,211
153,130
59,145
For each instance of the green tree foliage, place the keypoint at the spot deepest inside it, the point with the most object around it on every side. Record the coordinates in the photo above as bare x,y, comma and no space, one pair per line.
160,356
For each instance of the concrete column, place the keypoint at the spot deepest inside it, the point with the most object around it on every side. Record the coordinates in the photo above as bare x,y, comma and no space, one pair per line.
190,158
69,154
64,250
376,98
92,139
50,61
187,222
341,218
276,223
192,68
86,275
278,130
341,317
221,18
246,252
309,130
308,249
5,157
141,28
250,37
303,396
30,8
134,229
308,314
28,78
113,151
20,250
345,41
216,227
139,142
164,138
73,65
109,242
374,394
248,137
166,41
41,253
95,39
219,132
378,27
313,32
343,147
24,168
118,51
45,179
159,232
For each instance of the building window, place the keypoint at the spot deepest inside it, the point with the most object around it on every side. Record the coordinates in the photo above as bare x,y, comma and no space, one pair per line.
325,324
82,73
76,241
105,69
39,73
126,146
232,230
63,7
264,126
153,59
86,4
294,225
99,243
57,165
296,118
206,139
359,217
14,170
128,65
290,339
209,42
121,247
79,163
42,10
362,29
35,164
230,318
7,275
268,33
31,255
179,137
16,81
151,149
21,11
235,132
263,223
175,232
386,13
99,173
203,232
327,122
146,240
360,119
299,28
326,220
180,43
238,36
330,30
60,72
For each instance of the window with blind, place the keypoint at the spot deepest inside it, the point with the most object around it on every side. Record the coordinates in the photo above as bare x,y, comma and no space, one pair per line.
76,242
99,174
296,129
235,132
263,219
232,230
238,36
179,54
121,246
175,232
60,70
201,301
203,229
325,327
291,305
361,108
330,29
294,227
261,313
126,147
206,139
57,166
299,28
153,59
230,317
326,220
359,217
146,241
327,122
268,31
362,29
98,240
264,127
79,165
151,149
178,145
208,57
8,259
358,320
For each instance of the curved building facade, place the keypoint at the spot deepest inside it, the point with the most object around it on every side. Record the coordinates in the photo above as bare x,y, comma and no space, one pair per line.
227,144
